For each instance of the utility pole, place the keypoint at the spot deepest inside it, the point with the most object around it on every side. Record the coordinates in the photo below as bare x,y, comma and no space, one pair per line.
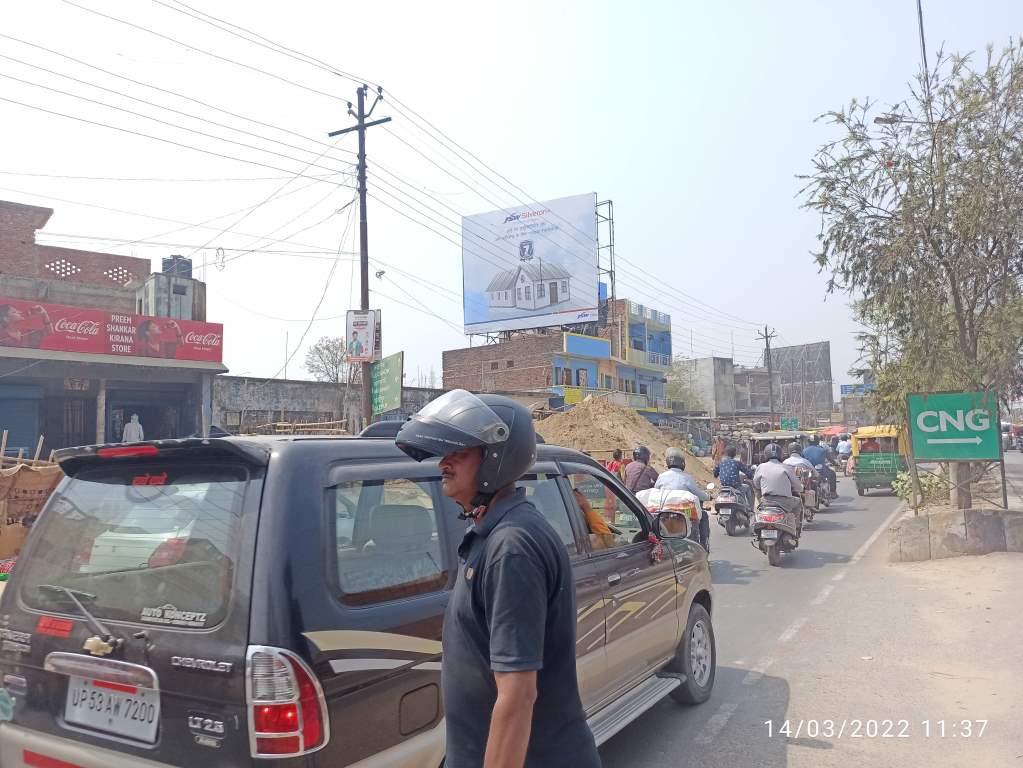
361,125
767,335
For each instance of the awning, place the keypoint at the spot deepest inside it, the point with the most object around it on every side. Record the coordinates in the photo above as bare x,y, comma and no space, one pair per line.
831,431
128,362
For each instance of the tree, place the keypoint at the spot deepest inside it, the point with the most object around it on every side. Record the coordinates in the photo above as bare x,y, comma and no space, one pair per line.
921,213
680,384
327,360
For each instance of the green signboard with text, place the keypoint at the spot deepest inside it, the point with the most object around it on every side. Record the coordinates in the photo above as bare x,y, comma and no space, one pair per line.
954,426
386,386
789,422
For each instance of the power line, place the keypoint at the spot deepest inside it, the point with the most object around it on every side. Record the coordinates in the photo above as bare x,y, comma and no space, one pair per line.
204,104
67,177
199,49
148,136
167,123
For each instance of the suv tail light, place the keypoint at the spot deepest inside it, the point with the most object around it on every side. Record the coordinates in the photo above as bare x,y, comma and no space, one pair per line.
287,709
168,553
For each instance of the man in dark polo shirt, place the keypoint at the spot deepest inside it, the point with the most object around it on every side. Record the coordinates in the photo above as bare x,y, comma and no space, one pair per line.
511,698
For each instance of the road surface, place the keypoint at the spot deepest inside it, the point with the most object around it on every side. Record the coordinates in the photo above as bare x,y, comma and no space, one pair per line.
759,611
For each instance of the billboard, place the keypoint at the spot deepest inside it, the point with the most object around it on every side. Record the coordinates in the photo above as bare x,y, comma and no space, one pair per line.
530,266
363,335
32,325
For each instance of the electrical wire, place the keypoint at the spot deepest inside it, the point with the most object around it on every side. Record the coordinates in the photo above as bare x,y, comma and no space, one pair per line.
199,49
204,104
170,124
148,136
66,177
323,295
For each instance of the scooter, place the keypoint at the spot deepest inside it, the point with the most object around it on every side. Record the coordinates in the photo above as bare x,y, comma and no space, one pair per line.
732,508
825,486
775,531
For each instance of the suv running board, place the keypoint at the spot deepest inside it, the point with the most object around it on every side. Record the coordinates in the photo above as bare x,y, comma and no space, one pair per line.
630,706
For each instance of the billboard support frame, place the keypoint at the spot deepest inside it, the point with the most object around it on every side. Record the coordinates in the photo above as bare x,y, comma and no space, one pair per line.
607,249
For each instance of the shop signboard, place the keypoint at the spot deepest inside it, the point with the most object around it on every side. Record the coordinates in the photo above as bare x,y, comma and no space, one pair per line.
32,325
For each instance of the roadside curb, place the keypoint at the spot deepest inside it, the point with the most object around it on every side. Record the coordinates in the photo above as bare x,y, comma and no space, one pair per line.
955,533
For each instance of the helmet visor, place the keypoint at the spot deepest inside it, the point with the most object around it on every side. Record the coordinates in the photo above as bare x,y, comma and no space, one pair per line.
454,421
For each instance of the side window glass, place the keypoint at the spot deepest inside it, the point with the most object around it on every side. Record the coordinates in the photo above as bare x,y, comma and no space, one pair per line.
610,521
543,491
388,546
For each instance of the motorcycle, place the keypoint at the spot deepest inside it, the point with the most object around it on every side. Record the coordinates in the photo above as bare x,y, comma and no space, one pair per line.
658,500
825,487
775,531
732,508
811,495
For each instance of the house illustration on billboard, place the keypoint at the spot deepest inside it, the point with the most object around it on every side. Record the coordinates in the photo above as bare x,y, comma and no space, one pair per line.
531,285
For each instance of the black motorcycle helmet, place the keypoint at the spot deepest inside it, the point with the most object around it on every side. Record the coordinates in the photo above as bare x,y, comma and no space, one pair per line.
815,439
641,453
458,420
772,451
674,458
795,449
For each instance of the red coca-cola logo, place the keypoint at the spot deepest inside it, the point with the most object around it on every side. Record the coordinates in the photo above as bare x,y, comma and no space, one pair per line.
80,327
203,339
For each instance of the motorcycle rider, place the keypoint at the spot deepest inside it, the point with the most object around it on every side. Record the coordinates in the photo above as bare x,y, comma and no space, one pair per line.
777,483
817,454
639,475
796,459
731,472
675,478
845,452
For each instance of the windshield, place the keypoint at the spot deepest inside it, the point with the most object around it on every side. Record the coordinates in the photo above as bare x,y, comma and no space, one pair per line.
153,546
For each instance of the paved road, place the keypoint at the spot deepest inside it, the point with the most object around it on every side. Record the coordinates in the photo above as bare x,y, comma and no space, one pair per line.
758,610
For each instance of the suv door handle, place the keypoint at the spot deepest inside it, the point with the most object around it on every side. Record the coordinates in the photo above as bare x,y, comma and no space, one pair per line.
614,578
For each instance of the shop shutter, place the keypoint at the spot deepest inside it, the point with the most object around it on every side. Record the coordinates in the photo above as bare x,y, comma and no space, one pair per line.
19,415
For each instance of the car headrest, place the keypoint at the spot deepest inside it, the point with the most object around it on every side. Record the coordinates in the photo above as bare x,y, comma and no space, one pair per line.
401,527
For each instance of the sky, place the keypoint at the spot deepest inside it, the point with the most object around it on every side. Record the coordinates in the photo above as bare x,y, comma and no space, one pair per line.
695,119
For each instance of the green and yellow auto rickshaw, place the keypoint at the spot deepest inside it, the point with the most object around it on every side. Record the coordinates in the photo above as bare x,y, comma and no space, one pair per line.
879,454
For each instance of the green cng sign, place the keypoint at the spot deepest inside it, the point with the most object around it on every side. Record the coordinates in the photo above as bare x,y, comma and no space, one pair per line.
954,426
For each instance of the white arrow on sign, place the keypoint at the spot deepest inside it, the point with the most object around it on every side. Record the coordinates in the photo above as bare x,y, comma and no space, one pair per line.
944,440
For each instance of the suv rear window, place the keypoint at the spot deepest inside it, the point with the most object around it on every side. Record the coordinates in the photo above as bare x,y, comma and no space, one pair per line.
151,545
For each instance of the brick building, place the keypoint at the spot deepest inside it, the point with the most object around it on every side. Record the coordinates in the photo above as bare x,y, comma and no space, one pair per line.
627,359
87,339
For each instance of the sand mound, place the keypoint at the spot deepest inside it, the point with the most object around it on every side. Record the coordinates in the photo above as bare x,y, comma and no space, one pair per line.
598,427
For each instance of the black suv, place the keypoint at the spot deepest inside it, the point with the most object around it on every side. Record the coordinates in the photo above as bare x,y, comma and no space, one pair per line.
237,600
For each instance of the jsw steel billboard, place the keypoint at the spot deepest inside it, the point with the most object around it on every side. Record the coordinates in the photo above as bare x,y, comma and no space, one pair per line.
531,266
31,325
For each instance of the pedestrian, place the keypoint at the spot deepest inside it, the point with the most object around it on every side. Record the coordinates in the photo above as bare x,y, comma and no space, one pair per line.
615,465
511,696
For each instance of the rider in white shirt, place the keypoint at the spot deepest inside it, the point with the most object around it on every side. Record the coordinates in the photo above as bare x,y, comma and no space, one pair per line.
796,459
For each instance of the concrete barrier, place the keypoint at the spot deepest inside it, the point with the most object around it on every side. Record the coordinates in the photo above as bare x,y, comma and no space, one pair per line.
950,534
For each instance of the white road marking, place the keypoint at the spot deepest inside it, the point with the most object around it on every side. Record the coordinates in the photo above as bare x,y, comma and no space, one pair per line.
793,628
874,536
716,723
823,595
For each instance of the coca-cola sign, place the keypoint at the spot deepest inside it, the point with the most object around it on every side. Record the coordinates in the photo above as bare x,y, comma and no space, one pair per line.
32,325
79,327
203,339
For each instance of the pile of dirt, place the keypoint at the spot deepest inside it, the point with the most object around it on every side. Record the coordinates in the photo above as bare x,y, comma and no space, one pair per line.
597,427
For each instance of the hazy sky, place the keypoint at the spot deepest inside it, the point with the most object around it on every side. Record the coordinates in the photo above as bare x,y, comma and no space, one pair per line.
694,118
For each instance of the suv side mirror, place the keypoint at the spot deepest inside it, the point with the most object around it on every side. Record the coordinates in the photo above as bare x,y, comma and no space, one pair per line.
671,525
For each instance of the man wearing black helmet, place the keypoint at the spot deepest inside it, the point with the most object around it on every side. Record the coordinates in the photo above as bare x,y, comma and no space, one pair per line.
777,482
639,475
511,697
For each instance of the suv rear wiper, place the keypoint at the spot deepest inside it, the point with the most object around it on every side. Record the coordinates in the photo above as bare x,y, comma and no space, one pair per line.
106,637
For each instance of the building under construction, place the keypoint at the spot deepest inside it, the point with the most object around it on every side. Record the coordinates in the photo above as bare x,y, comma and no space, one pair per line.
806,383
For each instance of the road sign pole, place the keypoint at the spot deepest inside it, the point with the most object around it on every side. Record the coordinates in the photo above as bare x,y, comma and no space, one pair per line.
1001,455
